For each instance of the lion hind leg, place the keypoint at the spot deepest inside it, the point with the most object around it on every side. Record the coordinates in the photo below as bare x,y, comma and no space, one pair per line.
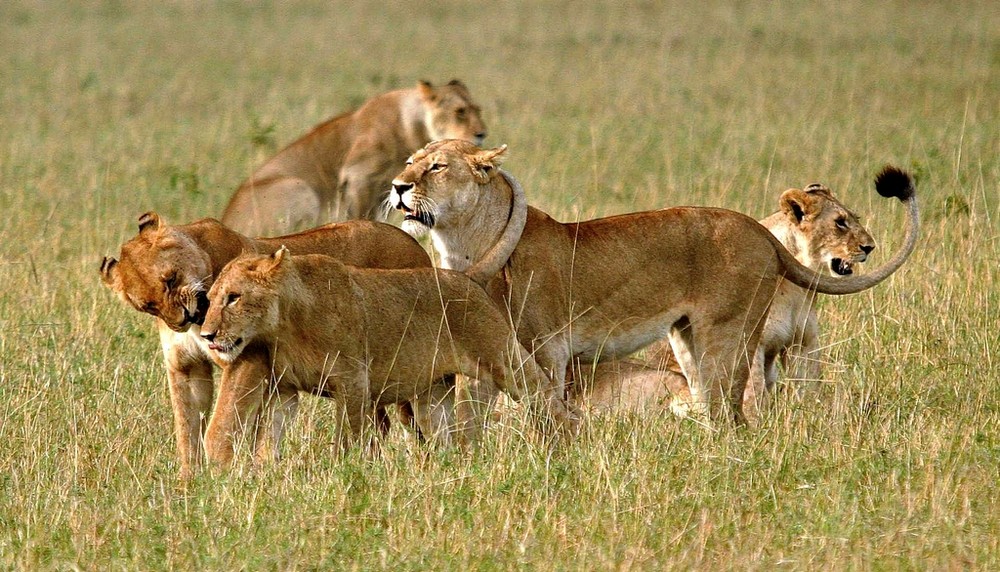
546,394
716,362
433,413
280,408
273,206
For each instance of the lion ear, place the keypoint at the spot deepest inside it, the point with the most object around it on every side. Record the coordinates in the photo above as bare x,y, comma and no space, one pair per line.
108,270
149,221
426,90
484,162
275,261
797,204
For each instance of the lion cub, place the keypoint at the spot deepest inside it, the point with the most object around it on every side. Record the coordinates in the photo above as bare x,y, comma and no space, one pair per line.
365,337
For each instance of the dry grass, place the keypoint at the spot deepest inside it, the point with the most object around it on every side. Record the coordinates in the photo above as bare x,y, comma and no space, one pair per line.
108,109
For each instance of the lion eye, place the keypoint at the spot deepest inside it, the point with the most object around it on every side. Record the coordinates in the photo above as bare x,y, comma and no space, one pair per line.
170,281
232,298
435,167
460,112
841,223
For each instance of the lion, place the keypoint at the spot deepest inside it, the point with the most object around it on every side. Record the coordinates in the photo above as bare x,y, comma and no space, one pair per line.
824,235
366,337
341,169
704,278
166,271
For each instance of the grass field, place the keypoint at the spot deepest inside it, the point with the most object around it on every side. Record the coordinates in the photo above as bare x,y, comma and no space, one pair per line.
109,109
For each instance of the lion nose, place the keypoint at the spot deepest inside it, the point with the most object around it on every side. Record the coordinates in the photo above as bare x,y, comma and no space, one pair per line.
209,336
867,248
401,187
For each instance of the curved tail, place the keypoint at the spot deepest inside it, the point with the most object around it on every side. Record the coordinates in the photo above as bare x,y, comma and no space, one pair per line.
496,257
890,182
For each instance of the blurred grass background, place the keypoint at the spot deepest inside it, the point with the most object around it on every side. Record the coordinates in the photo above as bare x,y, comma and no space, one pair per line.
109,109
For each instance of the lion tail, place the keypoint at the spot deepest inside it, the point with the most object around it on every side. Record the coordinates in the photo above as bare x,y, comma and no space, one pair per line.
497,256
891,182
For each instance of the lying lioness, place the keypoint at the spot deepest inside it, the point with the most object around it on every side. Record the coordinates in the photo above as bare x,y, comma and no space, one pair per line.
341,169
824,235
166,271
366,337
702,277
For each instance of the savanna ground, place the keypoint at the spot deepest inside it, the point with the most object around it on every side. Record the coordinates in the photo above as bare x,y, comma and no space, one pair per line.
109,109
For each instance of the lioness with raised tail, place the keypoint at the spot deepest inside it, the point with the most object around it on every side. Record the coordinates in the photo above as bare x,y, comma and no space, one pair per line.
824,235
704,278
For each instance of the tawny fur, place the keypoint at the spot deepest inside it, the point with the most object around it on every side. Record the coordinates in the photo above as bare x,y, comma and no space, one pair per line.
702,277
342,168
824,235
366,337
166,271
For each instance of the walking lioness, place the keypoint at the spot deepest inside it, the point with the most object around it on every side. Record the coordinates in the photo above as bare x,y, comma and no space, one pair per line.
365,337
702,277
166,271
342,168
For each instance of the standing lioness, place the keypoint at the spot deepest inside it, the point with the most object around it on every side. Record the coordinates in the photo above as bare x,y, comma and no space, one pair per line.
702,277
166,271
341,169
824,235
365,337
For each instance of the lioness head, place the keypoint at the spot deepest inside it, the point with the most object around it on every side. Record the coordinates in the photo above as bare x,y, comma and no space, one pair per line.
442,178
451,113
161,272
830,234
244,303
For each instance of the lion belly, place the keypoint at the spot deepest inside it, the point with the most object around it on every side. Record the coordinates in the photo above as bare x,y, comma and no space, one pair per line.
622,340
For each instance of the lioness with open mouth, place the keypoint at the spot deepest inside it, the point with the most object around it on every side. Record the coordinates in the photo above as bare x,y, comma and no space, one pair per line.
704,278
365,337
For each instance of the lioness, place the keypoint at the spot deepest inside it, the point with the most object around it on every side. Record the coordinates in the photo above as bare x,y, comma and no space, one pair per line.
366,337
822,234
342,168
166,271
702,277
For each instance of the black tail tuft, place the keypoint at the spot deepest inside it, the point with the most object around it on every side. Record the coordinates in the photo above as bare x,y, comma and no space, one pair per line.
894,182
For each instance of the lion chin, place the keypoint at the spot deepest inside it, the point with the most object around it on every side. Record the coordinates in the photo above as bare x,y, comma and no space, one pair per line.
226,351
415,227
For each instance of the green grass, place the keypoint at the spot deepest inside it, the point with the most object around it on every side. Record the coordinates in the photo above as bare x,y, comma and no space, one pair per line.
109,109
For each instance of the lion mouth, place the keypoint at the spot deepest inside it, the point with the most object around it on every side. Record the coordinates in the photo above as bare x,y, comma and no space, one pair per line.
201,309
225,347
424,218
841,267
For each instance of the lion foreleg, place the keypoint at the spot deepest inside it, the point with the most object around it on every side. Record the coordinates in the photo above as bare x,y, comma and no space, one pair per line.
801,360
191,389
360,188
241,395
